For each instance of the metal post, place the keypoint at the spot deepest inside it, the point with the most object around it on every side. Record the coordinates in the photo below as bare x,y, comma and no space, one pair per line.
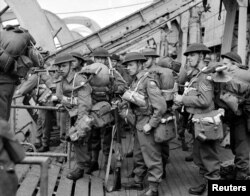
43,162
4,10
242,32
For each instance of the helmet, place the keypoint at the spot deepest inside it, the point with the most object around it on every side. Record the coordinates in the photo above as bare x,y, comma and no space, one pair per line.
115,57
197,47
102,78
165,62
150,53
207,58
100,52
63,58
134,56
232,56
77,55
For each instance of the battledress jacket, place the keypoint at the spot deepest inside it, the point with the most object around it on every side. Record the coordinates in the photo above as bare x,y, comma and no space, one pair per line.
199,97
155,103
83,94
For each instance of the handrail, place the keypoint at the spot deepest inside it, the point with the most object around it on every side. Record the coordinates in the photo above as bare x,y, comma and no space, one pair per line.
44,165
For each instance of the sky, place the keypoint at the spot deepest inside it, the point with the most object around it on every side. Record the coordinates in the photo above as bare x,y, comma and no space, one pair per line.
102,17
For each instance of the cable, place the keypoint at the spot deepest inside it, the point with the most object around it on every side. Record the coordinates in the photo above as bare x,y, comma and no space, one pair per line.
104,9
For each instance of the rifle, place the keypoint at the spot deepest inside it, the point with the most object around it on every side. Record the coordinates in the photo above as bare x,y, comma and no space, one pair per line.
116,130
118,153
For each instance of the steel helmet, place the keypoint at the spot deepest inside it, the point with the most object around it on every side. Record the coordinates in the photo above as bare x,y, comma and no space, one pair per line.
102,78
134,56
63,58
100,52
150,53
165,62
77,55
115,57
232,56
197,47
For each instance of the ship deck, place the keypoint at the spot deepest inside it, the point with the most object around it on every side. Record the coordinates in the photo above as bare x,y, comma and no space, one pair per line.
180,176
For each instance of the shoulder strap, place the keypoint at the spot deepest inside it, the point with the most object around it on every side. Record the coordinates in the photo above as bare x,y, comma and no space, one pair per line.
73,86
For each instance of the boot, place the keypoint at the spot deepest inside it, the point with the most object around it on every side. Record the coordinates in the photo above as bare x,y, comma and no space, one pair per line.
149,192
75,174
198,190
43,149
133,185
94,166
189,158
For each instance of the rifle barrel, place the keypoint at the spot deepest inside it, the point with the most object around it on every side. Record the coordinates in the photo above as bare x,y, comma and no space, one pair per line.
35,107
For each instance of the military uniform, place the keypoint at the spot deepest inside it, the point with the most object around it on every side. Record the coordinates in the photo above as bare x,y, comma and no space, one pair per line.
238,119
151,114
77,110
7,87
200,100
8,180
118,86
45,117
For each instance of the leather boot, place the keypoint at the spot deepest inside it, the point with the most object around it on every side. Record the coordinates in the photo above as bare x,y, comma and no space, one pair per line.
149,192
189,158
43,149
198,190
75,174
133,185
94,166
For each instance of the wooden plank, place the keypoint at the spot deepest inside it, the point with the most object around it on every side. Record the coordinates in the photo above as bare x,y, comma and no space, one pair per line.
183,172
29,184
82,186
96,186
21,171
53,175
65,185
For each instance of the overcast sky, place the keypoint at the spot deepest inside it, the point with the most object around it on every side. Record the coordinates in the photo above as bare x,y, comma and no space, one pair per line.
102,17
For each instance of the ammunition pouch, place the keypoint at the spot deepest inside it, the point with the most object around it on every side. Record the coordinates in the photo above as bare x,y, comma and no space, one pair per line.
101,113
232,101
100,94
208,126
127,115
81,128
166,130
135,98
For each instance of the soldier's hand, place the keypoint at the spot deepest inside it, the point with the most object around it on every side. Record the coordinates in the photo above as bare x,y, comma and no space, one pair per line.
178,98
147,128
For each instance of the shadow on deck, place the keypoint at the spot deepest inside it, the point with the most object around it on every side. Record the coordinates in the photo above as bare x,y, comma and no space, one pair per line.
180,176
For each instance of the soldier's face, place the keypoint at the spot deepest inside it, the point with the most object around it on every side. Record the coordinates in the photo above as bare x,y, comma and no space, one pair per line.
149,62
132,68
76,62
227,62
193,59
64,68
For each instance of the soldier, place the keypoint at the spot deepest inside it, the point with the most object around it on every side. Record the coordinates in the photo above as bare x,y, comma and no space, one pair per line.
237,119
148,115
167,82
120,68
199,100
45,117
79,103
117,86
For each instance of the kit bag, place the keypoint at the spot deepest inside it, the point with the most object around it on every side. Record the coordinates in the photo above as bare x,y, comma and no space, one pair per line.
208,126
166,129
101,113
